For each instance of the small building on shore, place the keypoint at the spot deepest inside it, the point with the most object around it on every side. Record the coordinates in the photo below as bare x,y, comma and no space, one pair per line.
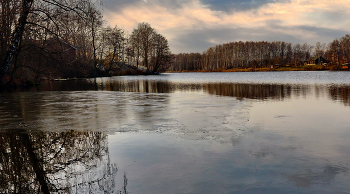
316,61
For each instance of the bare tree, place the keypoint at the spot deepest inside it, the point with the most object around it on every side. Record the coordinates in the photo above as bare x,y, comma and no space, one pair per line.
320,49
162,56
135,42
34,23
115,42
146,34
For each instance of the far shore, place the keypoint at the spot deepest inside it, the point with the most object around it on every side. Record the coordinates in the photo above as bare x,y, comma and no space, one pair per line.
261,69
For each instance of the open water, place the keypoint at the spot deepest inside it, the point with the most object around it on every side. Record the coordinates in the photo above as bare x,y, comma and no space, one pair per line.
258,132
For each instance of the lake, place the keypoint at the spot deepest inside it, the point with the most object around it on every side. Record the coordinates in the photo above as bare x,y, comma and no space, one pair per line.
242,132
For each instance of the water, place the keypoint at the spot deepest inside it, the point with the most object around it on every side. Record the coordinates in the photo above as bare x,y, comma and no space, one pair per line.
259,132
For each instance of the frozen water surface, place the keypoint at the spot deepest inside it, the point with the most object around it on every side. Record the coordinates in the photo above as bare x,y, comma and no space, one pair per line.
259,132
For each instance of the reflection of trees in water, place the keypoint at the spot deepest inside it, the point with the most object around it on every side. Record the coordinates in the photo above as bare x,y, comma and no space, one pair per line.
65,162
146,86
340,93
239,90
250,91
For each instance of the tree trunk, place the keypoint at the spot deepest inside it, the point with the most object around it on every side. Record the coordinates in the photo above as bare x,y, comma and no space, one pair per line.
112,60
36,164
16,38
93,45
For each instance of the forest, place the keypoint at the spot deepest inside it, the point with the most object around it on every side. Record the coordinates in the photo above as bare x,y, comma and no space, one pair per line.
50,39
263,54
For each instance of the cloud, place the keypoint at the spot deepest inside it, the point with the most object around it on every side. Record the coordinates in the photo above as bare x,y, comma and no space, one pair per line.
199,40
120,5
202,39
321,34
238,5
195,25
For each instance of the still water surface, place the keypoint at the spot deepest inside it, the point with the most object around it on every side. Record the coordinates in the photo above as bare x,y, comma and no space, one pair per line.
260,132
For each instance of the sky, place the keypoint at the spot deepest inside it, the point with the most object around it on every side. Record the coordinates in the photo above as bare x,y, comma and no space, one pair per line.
196,25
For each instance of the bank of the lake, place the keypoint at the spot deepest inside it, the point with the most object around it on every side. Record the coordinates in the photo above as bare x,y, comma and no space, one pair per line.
276,68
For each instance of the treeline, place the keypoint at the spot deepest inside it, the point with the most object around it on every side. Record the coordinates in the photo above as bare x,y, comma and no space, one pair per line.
66,39
261,54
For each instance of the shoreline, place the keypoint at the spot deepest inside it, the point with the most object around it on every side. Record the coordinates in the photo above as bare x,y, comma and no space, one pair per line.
264,69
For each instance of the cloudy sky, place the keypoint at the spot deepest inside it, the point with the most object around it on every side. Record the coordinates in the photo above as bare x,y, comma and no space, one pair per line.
195,25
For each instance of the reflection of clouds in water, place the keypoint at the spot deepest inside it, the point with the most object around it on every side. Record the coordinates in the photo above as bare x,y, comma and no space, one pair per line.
190,115
273,151
235,141
262,153
198,119
289,148
280,116
309,177
296,162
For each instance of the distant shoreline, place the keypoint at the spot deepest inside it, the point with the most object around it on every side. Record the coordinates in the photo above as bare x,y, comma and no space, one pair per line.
262,69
